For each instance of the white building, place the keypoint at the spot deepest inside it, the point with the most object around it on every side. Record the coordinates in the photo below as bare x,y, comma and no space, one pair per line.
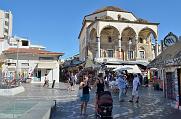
23,59
113,35
6,19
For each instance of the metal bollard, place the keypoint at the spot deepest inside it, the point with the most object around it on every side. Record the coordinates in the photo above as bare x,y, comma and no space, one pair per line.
55,105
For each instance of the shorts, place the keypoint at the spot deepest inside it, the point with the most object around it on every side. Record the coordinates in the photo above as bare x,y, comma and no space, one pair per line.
135,93
85,98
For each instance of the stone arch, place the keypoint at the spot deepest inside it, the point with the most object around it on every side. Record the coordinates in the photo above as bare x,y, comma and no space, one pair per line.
109,40
144,35
92,46
93,35
141,48
128,33
109,34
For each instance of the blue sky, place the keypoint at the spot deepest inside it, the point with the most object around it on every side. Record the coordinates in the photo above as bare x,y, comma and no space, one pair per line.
56,24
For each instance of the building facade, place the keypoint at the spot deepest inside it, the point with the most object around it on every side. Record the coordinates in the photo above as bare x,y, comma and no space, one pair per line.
112,35
168,65
6,19
23,60
31,63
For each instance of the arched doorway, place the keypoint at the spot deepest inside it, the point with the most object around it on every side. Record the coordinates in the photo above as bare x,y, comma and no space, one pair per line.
109,40
145,36
128,42
92,46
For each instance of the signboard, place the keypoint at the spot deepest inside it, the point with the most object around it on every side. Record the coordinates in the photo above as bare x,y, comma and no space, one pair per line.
170,39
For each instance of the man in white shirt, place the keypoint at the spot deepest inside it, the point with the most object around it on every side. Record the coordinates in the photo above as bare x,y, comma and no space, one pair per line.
136,84
121,85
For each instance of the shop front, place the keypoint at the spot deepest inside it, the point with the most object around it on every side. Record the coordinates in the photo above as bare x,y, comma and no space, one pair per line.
49,69
179,84
168,64
170,88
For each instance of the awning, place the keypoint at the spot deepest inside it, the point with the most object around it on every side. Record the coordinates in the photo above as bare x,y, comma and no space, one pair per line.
112,66
129,68
46,65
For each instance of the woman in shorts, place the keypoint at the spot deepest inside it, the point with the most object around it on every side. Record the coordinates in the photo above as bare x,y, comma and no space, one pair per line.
85,86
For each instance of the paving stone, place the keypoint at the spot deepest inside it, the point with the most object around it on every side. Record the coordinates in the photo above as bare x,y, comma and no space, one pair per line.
152,105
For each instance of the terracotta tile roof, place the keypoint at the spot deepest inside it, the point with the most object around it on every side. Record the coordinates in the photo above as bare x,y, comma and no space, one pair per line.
169,53
109,8
31,51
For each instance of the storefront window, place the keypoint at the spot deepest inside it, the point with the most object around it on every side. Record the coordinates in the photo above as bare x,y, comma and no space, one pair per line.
110,53
142,54
130,54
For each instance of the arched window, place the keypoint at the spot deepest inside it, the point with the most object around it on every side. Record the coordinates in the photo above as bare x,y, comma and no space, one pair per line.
140,40
141,53
109,39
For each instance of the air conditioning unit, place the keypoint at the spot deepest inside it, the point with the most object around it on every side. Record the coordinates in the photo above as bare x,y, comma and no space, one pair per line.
9,60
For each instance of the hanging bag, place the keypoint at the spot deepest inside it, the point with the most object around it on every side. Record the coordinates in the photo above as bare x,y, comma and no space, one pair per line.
80,92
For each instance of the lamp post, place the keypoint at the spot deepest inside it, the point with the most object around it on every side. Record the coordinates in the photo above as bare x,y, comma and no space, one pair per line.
129,53
17,61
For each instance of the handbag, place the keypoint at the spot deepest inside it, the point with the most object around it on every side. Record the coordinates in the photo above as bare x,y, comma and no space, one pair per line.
80,92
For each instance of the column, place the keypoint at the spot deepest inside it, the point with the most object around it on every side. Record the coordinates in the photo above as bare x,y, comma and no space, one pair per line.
136,48
119,42
156,47
119,48
98,46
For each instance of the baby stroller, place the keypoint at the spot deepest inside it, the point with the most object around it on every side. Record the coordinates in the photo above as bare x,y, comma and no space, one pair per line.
104,105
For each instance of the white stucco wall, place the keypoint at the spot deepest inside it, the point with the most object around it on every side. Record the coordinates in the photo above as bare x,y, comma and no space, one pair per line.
82,41
121,26
126,15
99,25
98,15
112,14
33,61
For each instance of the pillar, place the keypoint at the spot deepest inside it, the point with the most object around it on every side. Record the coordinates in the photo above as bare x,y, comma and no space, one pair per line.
98,46
119,47
156,47
119,42
136,48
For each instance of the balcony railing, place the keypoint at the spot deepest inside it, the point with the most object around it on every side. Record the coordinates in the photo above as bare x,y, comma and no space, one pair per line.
108,59
112,60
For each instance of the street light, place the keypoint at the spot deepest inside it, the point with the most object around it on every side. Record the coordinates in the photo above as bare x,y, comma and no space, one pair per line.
17,60
129,53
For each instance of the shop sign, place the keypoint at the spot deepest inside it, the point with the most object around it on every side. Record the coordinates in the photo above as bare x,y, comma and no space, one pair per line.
170,39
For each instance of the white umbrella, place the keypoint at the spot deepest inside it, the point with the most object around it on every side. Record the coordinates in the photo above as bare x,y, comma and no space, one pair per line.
129,68
122,68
